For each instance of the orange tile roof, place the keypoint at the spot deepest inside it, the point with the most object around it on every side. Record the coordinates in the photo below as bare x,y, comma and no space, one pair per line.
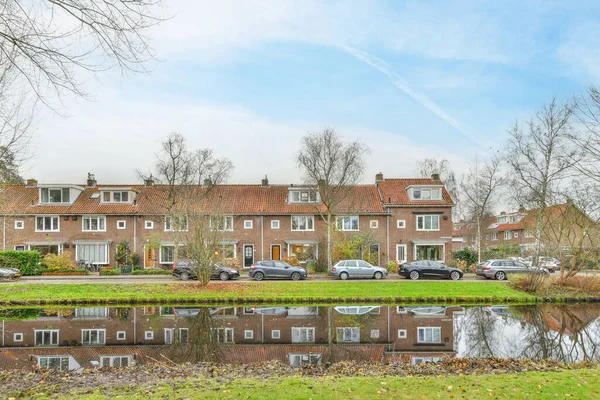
393,193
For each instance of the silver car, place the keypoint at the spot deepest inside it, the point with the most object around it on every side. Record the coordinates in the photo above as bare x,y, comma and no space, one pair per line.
345,269
499,269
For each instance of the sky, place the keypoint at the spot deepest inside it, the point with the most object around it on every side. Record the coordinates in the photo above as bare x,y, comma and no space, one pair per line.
411,79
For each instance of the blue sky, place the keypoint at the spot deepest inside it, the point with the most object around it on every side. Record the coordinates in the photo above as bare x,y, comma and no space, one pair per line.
411,79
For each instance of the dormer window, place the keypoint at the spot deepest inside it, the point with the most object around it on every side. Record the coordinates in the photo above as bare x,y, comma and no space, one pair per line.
302,196
55,195
502,220
421,193
116,197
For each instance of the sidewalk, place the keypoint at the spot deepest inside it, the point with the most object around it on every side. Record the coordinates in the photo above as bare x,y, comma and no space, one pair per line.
96,277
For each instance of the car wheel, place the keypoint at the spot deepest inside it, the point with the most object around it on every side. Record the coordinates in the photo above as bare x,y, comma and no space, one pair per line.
500,276
184,276
224,276
378,275
296,276
344,276
259,276
414,275
454,275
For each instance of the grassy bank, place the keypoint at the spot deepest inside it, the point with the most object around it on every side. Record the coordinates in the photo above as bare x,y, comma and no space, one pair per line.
264,292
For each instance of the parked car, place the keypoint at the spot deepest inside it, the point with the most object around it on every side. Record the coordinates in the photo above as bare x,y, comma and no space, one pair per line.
272,269
499,269
345,269
552,264
428,269
185,269
9,273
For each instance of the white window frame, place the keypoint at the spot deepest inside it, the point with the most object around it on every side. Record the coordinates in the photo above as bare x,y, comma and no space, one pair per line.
35,331
148,335
422,359
427,194
416,253
431,329
352,331
111,361
19,224
402,334
112,197
401,224
275,334
224,225
121,335
529,235
121,221
60,358
374,333
305,219
374,224
169,225
494,235
98,332
92,313
304,359
248,334
424,218
106,246
148,224
405,253
275,224
303,196
515,234
341,221
227,335
502,220
18,337
52,218
248,223
62,191
507,235
89,218
299,331
169,335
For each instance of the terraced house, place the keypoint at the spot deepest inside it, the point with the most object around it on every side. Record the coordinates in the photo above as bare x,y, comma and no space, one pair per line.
409,219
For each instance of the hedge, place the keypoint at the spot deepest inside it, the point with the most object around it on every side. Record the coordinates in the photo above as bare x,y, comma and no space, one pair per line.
152,272
105,272
28,262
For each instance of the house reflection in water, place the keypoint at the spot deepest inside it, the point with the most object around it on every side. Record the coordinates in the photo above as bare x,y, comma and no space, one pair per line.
97,337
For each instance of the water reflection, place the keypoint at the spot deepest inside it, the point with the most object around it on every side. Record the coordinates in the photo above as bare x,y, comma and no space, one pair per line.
100,336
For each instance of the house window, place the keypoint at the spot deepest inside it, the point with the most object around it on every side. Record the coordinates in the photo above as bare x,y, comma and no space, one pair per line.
149,335
514,219
91,312
401,253
115,197
115,361
94,224
275,334
169,335
494,235
46,337
299,359
374,333
121,335
176,223
401,224
248,334
516,234
47,224
303,223
93,336
421,360
55,195
507,235
433,252
248,224
224,223
427,194
428,222
302,196
20,248
19,225
401,333
92,253
303,335
373,224
18,337
429,335
58,363
529,235
148,224
275,224
347,223
351,334
167,254
183,335
121,224
223,335
226,250
501,220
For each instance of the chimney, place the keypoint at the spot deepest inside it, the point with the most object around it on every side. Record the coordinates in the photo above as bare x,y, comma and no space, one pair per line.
149,181
207,182
435,177
264,182
31,183
503,213
379,177
91,180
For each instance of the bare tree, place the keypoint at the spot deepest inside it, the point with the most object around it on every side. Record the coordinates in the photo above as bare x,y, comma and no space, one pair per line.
588,139
429,166
330,167
480,185
541,158
210,167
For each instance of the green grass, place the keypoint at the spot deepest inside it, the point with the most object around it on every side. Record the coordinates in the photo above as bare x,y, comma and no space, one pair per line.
264,292
580,384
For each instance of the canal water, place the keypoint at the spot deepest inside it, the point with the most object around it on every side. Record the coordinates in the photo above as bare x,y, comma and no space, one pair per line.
77,338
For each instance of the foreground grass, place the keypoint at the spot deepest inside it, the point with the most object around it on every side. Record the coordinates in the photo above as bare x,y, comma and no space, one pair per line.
265,292
581,384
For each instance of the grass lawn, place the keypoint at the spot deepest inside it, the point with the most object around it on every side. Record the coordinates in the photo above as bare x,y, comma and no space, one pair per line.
265,292
580,384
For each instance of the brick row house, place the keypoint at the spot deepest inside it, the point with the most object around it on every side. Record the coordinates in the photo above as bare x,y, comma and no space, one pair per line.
409,219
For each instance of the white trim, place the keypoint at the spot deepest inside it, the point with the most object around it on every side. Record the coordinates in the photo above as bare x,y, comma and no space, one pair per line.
275,336
123,333
112,191
509,234
342,219
224,222
148,224
374,224
431,216
148,335
278,224
401,223
47,230
494,235
402,334
248,334
105,244
244,253
311,217
248,223
374,333
430,244
21,223
90,217
425,328
20,335
300,329
90,331
169,217
124,224
35,331
405,254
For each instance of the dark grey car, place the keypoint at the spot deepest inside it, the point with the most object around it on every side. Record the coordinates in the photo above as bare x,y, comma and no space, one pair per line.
272,269
499,269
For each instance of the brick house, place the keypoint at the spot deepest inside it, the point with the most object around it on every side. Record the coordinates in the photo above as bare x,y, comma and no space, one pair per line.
409,219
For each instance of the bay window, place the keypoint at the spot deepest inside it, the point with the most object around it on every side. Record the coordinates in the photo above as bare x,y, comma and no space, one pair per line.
47,224
94,223
428,222
349,223
303,223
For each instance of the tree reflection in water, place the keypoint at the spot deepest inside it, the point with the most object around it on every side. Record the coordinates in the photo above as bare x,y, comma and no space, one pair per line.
202,342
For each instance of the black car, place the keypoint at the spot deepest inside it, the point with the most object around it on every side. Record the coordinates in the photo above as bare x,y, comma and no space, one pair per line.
428,269
270,269
185,269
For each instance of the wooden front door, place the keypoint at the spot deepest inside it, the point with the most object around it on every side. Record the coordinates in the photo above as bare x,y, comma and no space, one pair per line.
275,252
150,257
248,255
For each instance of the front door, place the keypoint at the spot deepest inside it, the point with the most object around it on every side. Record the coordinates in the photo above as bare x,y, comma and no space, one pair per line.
275,252
248,255
150,257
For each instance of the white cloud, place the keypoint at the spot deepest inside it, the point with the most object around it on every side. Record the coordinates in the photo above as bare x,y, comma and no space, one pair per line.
579,51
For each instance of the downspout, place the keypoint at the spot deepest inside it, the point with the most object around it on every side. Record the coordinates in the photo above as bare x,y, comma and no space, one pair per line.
135,233
387,234
134,325
389,332
3,237
262,237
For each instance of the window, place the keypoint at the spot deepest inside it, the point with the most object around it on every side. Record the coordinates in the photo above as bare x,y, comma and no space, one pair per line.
401,333
275,334
176,223
494,235
115,197
20,248
248,334
121,224
92,253
374,333
514,219
296,360
433,252
223,335
91,312
121,335
428,223
302,196
169,335
94,224
167,254
149,335
421,360
248,224
224,223
183,335
19,225
47,224
58,363
401,224
148,224
373,224
116,361
227,250
351,334
18,337
303,335
507,235
429,335
303,223
501,220
46,337
93,336
529,235
401,253
516,234
275,224
55,195
347,223
427,194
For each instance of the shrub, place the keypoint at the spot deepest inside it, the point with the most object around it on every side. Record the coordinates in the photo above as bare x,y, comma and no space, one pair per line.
317,268
134,259
468,255
531,283
582,283
122,255
230,262
28,262
107,272
392,266
56,262
152,272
